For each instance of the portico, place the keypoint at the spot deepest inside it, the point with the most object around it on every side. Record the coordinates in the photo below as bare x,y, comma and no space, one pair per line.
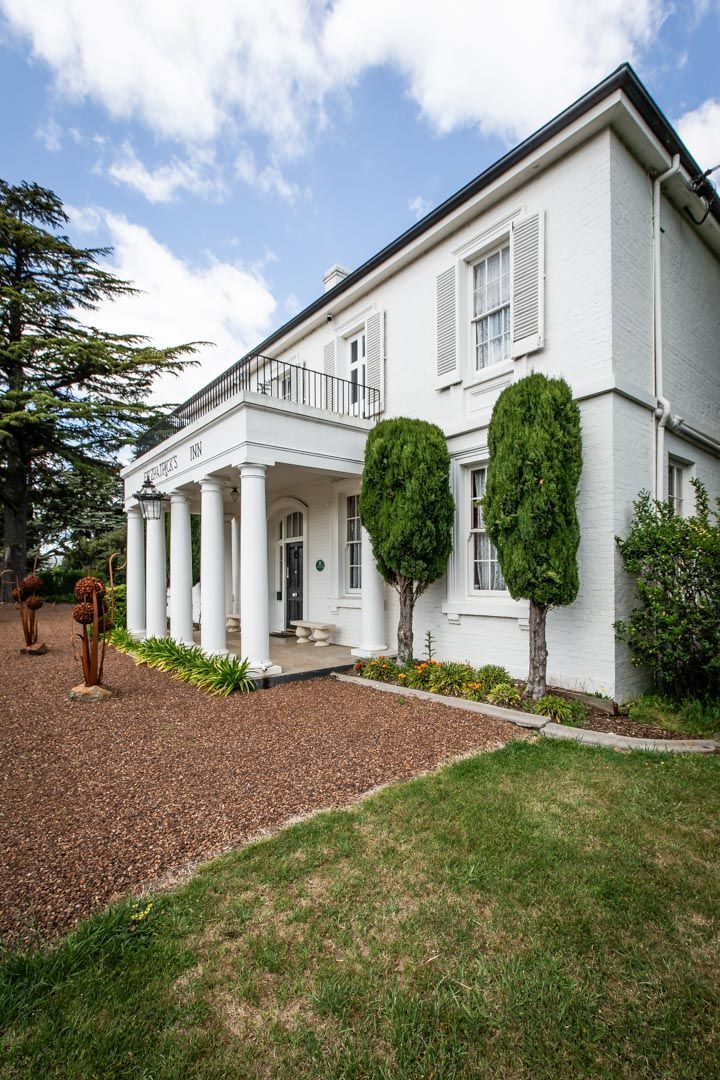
266,477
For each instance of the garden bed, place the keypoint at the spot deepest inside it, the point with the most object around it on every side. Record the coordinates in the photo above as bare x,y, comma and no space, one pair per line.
492,684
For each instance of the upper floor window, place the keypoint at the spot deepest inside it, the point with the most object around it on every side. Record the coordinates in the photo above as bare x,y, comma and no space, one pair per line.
353,544
676,485
358,371
486,574
491,308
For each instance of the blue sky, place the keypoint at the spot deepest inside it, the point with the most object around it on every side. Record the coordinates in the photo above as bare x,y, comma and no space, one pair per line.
232,151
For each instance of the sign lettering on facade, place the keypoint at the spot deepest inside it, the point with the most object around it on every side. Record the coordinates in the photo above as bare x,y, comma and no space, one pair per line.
196,450
162,469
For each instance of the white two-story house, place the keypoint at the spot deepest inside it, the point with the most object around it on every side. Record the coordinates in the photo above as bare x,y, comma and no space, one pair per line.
591,251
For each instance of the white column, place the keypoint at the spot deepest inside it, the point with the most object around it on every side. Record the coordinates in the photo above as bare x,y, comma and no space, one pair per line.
227,541
373,606
235,528
181,620
156,578
254,614
212,568
135,573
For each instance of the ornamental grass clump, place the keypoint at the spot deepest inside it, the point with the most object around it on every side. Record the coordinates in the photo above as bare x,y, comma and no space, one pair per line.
378,668
560,710
417,673
450,679
506,695
220,675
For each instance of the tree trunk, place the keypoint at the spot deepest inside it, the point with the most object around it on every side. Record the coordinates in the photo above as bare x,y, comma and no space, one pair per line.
15,506
538,651
405,628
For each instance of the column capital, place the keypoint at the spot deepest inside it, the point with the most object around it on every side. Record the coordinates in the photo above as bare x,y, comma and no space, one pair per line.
212,483
249,469
178,496
134,510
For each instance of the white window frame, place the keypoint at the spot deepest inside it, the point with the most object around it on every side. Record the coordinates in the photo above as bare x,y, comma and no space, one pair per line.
357,368
677,474
473,532
477,261
349,544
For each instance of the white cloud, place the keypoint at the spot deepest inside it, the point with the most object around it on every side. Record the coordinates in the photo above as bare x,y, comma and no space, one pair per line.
219,301
505,67
292,304
195,72
700,131
50,135
199,174
268,180
419,207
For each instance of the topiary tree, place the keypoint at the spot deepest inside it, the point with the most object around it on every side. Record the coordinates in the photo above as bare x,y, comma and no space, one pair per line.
407,508
675,630
529,505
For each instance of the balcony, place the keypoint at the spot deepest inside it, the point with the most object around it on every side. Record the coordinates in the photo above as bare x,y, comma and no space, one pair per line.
272,378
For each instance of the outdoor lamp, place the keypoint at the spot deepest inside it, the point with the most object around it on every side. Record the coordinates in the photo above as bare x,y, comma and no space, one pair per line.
150,500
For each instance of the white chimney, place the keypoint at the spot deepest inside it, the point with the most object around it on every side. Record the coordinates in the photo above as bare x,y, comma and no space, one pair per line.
334,276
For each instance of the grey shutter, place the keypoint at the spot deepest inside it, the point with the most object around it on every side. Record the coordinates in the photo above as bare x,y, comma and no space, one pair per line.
329,388
446,326
375,360
528,284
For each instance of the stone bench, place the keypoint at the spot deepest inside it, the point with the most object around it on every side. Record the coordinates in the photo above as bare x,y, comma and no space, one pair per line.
317,632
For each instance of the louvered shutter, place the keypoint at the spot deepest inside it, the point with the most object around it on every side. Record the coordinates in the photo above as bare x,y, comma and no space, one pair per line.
528,284
446,326
375,360
329,389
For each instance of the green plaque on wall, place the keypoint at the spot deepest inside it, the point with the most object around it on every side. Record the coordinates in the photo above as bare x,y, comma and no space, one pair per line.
320,565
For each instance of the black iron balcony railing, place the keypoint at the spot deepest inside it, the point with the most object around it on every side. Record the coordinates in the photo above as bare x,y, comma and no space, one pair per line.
273,378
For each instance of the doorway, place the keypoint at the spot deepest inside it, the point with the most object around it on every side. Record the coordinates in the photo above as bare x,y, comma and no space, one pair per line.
293,581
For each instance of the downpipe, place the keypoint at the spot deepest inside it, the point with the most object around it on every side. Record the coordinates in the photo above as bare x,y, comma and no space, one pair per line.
662,411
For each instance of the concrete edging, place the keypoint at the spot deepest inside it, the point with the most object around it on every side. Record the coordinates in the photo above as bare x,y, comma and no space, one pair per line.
546,727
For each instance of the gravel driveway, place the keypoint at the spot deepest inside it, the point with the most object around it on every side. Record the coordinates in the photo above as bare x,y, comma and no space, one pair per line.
96,800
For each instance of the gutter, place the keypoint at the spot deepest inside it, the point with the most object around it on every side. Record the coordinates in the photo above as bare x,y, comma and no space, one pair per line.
662,411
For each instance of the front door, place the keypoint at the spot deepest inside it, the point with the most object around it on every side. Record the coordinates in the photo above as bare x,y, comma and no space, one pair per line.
293,581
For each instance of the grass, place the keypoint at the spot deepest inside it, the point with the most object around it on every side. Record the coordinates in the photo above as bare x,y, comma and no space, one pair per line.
548,910
688,718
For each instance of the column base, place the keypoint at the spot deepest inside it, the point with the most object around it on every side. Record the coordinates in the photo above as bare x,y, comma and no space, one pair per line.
368,652
259,670
139,635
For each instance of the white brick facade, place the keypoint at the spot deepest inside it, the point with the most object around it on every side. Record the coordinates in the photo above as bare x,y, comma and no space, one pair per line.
592,188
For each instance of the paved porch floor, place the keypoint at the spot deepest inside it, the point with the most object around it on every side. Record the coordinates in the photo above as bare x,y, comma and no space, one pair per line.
296,659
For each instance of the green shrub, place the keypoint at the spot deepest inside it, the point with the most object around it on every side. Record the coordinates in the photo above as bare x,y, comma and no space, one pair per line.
675,631
449,679
504,694
378,668
59,584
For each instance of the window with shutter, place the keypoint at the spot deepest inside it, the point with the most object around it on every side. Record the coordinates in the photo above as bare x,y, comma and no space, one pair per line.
446,326
528,284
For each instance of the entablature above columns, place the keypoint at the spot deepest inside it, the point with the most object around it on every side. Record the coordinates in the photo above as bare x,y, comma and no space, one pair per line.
257,431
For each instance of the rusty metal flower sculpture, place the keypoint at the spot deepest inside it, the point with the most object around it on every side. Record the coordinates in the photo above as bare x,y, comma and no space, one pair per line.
27,599
89,613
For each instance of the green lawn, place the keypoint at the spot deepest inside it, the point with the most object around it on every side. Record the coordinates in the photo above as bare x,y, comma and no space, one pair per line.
544,911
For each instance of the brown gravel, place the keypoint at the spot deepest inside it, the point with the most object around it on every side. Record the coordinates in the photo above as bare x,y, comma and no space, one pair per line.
97,799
